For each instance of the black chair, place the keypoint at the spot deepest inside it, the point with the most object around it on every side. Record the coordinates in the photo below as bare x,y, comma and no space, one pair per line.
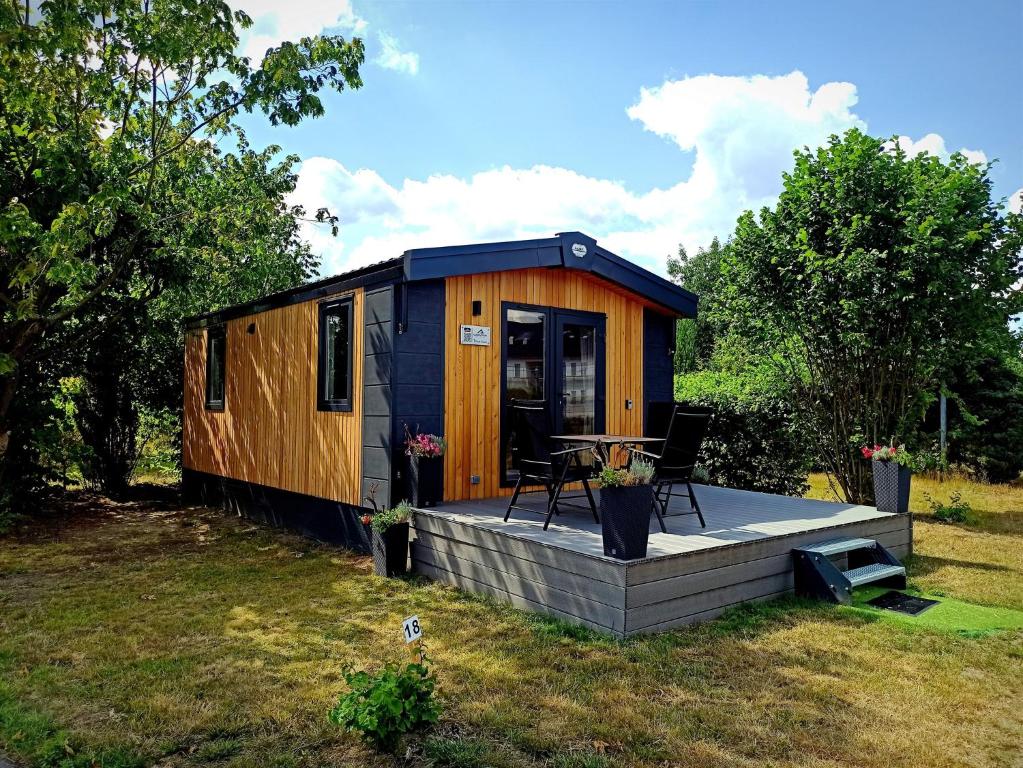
674,464
541,464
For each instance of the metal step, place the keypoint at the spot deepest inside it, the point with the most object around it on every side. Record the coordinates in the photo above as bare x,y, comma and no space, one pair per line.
873,572
838,546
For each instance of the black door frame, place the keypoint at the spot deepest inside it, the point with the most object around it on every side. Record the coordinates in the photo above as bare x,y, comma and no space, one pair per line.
553,386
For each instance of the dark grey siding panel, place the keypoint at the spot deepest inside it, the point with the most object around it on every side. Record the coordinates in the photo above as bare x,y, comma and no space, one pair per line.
377,401
418,377
658,366
377,368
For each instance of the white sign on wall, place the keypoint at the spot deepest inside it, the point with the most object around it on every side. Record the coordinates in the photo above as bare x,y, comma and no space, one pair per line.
475,335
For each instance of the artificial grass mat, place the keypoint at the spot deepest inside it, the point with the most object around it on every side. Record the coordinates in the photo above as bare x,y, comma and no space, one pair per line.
949,615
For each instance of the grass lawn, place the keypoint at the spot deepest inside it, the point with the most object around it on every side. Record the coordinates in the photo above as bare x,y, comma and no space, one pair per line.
141,633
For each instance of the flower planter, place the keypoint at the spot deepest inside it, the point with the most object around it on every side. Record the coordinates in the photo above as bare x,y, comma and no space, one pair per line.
891,486
425,480
390,551
625,520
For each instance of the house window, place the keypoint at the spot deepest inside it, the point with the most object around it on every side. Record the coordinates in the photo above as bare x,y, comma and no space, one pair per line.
216,358
334,369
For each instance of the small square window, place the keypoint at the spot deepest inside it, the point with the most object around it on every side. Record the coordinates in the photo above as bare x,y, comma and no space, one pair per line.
334,369
216,368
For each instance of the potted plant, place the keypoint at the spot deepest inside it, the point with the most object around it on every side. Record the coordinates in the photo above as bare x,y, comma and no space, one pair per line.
389,539
626,502
892,466
425,476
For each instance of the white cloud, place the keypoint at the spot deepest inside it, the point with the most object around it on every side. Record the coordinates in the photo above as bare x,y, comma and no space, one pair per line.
1016,201
741,131
392,57
933,144
274,22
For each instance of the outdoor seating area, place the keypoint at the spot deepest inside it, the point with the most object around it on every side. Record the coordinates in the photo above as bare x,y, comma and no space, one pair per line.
690,573
552,461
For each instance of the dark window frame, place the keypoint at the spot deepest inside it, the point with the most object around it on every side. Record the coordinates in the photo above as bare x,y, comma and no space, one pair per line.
327,308
213,333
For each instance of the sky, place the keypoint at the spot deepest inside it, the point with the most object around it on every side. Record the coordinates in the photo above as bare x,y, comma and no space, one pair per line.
644,124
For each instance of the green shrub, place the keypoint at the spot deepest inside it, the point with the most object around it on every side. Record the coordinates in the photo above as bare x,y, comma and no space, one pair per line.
955,511
399,514
387,705
754,441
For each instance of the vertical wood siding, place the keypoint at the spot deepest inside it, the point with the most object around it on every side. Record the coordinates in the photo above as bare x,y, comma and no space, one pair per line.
472,387
270,432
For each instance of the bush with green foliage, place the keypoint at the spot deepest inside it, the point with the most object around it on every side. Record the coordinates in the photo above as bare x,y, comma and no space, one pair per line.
874,274
386,706
754,441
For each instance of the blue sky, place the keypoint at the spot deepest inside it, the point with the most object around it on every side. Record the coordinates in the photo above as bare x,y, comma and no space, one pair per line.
643,124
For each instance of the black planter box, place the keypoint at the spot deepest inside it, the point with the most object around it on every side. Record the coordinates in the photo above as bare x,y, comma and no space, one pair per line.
625,520
390,551
891,487
425,481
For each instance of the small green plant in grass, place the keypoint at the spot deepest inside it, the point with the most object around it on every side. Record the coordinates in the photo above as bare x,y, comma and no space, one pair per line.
385,706
954,511
399,514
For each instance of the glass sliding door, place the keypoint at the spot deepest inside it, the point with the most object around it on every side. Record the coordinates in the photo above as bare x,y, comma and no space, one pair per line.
525,369
554,358
577,375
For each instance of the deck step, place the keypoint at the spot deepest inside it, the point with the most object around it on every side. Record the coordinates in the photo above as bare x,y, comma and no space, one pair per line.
838,546
874,572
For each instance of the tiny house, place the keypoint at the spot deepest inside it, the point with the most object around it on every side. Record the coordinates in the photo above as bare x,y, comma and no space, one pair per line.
296,405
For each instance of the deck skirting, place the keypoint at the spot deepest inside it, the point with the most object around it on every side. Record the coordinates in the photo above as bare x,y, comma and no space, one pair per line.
563,575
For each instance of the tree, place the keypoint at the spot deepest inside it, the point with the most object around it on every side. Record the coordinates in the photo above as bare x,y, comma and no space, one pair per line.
700,274
874,273
111,184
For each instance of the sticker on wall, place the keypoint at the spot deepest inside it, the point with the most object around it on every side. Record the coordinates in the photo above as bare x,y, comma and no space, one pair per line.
578,249
475,335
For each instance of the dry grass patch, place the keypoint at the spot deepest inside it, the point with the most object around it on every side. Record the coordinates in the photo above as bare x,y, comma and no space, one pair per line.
146,634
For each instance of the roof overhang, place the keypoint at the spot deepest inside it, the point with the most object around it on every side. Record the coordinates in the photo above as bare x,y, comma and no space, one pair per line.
569,250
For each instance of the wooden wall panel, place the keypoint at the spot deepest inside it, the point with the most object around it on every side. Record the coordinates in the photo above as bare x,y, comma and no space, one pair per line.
270,432
473,374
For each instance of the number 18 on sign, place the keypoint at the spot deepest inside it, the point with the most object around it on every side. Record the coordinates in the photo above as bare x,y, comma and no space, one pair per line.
411,629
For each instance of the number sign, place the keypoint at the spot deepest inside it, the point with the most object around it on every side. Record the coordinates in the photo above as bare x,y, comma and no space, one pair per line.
411,629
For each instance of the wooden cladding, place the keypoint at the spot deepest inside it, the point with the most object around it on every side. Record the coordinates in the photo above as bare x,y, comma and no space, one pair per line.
472,385
270,431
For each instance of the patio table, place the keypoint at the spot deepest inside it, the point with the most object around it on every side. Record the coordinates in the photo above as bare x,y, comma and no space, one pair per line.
601,444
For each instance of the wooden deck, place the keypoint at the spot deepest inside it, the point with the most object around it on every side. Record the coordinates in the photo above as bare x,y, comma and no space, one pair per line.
690,573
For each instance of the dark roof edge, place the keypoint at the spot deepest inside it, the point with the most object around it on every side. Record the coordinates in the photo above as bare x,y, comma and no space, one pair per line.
382,272
572,250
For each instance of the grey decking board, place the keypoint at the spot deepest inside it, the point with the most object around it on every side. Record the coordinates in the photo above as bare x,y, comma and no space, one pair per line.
439,574
694,618
728,594
537,592
675,565
593,589
692,582
604,569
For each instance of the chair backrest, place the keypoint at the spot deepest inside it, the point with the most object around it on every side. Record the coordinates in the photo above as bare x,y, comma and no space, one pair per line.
682,443
658,418
531,430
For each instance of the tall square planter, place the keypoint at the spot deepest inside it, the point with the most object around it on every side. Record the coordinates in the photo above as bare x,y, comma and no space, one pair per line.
424,481
891,486
390,550
625,520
